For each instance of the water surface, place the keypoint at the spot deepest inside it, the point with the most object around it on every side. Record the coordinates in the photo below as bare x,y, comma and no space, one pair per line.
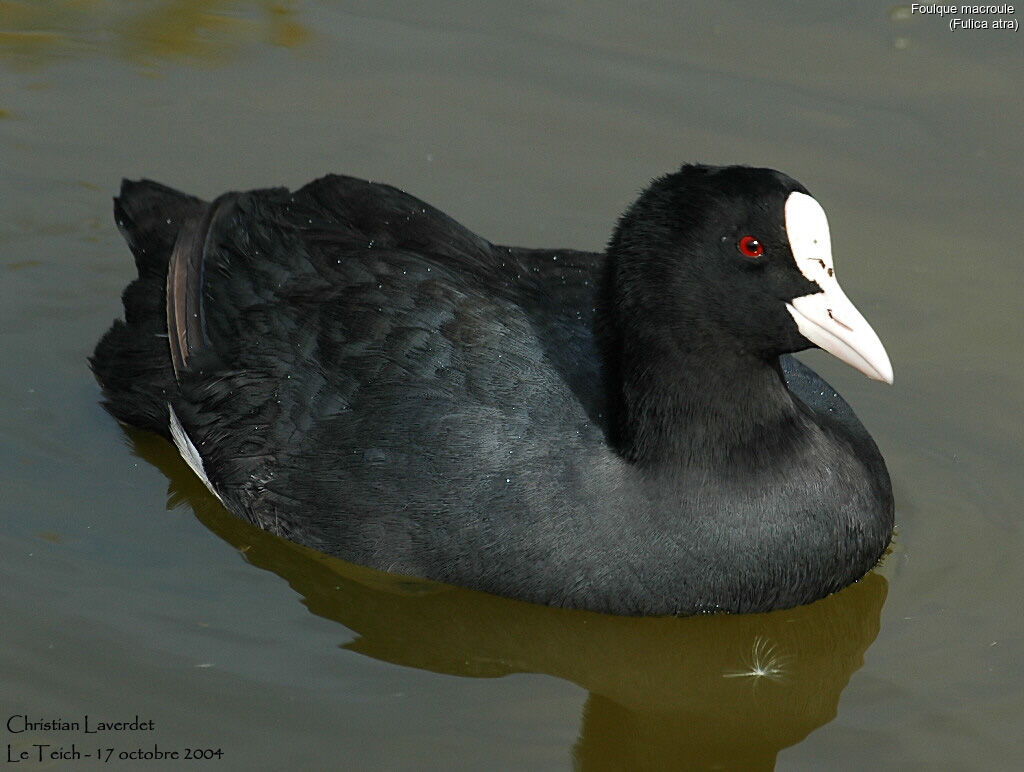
125,589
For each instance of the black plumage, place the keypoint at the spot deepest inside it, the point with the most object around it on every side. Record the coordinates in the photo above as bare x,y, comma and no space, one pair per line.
621,431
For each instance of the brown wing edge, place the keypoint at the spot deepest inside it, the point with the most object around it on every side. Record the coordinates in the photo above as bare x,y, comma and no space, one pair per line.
186,322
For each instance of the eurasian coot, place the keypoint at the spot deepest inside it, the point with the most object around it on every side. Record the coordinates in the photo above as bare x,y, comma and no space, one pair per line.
351,369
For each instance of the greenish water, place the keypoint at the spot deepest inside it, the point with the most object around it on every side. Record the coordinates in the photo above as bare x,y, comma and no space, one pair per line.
126,590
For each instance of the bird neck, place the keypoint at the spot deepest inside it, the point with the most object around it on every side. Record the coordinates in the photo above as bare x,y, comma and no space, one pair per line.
698,402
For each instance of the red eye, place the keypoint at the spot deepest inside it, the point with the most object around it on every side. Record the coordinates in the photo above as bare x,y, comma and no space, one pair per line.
750,247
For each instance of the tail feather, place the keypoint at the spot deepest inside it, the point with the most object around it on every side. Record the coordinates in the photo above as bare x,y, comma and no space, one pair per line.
132,361
149,216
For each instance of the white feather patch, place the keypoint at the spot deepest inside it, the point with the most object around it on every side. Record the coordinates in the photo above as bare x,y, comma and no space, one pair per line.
188,450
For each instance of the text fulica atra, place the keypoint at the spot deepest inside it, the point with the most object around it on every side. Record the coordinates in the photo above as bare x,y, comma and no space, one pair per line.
350,368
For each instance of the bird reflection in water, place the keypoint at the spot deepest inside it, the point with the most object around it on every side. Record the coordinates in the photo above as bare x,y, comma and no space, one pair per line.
664,692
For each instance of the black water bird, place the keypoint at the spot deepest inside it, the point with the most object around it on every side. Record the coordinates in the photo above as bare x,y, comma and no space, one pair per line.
349,368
